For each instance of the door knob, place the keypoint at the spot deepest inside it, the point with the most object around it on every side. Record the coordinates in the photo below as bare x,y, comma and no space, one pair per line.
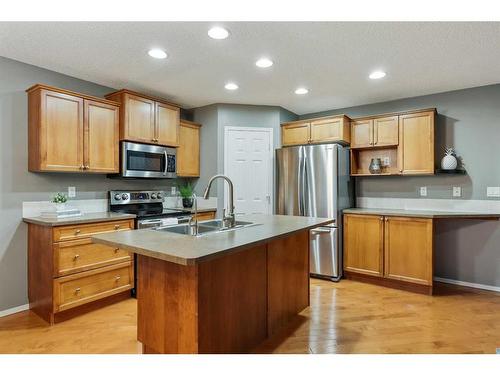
76,257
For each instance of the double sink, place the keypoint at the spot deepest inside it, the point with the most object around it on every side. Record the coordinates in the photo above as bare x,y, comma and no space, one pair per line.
204,227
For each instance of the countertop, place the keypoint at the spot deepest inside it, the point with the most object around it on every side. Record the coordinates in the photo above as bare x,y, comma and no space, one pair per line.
94,217
189,250
191,210
421,213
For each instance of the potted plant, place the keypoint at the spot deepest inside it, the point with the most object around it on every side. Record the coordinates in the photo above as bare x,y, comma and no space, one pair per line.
186,192
59,199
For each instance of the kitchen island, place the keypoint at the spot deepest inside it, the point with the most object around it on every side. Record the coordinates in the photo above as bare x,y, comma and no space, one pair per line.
222,292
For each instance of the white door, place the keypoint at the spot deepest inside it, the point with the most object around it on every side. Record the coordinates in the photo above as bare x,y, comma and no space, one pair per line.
248,162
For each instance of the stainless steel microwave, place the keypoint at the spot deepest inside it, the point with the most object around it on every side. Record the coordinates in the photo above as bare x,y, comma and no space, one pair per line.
147,161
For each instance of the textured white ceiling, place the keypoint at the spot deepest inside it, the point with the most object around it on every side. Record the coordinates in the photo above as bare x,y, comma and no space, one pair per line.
332,59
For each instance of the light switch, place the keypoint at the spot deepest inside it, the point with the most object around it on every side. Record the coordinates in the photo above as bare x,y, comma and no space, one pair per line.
423,191
493,191
457,191
386,161
173,190
71,191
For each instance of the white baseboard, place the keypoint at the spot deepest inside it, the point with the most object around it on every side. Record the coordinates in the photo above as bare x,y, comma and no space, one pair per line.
470,285
14,310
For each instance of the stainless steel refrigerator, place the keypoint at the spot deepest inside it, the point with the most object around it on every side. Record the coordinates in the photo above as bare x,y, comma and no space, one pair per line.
314,181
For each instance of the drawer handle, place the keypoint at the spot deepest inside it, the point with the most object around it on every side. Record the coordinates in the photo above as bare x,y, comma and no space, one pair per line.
117,226
77,231
76,257
77,290
117,249
117,278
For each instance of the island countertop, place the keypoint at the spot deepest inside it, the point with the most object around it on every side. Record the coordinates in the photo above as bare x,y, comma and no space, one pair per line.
189,250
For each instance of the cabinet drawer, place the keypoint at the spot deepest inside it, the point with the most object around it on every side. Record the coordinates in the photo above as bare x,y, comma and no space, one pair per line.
72,232
83,255
81,288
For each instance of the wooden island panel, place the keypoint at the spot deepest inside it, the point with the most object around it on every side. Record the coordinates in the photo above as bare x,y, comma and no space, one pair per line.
228,304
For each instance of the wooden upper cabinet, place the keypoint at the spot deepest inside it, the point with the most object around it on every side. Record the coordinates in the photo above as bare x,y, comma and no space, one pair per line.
101,137
147,119
321,130
139,120
71,132
296,133
416,134
330,130
364,244
408,249
361,133
188,152
167,124
386,131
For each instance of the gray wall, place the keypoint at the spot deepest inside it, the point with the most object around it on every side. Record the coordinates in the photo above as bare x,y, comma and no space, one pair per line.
469,121
18,185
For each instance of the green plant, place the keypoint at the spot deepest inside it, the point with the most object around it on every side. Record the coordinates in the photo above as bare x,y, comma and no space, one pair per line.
59,198
186,190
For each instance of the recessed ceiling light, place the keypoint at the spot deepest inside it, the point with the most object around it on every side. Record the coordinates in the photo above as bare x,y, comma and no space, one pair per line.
301,91
157,53
264,63
231,86
218,32
377,74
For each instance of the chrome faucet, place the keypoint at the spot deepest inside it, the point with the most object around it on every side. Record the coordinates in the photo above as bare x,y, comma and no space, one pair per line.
193,219
229,218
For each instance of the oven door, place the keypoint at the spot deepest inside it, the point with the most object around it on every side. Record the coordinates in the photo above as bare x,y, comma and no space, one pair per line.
147,161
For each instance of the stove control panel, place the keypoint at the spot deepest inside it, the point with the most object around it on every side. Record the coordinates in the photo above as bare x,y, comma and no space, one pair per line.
129,197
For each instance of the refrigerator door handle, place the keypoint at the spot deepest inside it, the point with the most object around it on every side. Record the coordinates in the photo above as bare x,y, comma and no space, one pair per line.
300,182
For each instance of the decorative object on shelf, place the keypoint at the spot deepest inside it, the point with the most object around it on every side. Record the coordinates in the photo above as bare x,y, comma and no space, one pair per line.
375,166
449,161
59,199
187,195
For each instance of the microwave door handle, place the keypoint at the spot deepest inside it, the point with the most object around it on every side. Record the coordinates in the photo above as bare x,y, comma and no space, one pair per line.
166,162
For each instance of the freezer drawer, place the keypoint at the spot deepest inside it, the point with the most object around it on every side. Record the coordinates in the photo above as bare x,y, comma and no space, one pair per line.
325,254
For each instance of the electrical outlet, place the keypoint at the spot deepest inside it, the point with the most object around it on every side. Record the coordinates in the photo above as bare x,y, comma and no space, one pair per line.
71,191
173,190
386,161
423,191
493,191
457,191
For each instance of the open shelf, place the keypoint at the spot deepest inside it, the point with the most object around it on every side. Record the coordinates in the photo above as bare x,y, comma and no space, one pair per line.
451,171
361,158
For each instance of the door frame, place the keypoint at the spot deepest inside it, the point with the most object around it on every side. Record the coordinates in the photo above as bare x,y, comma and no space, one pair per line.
270,131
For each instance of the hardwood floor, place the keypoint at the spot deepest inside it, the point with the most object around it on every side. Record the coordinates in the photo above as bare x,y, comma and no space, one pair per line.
345,317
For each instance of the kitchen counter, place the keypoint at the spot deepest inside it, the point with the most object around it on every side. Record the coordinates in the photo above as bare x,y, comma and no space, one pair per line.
94,217
191,210
188,250
422,213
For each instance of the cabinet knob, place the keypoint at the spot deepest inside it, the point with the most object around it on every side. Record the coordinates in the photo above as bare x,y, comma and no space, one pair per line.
117,226
77,290
117,249
87,167
381,219
76,257
77,231
117,278
82,166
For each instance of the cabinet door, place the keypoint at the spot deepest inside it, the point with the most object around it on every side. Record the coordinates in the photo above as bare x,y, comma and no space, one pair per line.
417,143
167,124
408,249
188,152
295,134
363,244
61,132
330,130
361,133
101,137
386,131
139,119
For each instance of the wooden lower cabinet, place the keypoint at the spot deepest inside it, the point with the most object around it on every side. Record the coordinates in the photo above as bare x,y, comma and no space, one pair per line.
66,270
201,216
389,250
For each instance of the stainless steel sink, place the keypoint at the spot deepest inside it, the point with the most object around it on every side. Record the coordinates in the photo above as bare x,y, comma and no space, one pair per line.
204,227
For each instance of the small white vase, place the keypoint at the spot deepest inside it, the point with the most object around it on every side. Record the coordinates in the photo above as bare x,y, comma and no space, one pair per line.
449,162
60,206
